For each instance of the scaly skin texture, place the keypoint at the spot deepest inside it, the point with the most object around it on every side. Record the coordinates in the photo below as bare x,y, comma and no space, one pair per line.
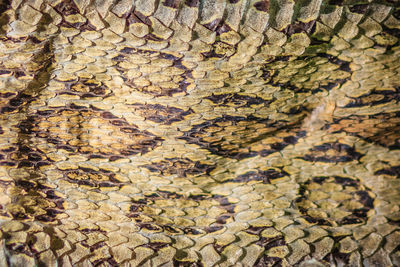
199,133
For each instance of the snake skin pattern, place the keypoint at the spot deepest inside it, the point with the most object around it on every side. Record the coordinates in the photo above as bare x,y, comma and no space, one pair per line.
200,133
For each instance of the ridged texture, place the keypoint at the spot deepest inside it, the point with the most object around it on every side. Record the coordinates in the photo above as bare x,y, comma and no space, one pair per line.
199,133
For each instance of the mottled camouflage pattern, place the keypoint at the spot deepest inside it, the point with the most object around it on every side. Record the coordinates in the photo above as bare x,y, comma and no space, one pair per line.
200,133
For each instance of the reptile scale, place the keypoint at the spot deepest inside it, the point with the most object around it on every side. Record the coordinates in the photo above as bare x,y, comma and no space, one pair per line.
200,133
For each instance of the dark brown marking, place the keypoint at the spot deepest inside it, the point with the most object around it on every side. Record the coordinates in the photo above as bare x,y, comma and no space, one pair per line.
211,134
332,152
299,27
172,3
264,176
137,17
161,114
212,26
68,7
181,166
192,3
353,187
237,100
392,171
382,128
262,6
360,9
